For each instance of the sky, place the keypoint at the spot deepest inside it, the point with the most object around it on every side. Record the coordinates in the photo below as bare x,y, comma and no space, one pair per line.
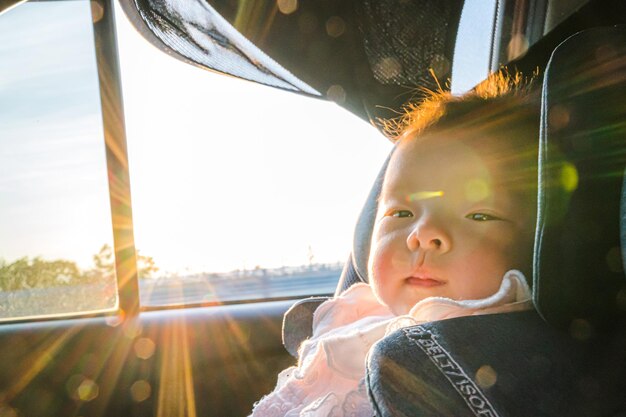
53,186
229,174
225,174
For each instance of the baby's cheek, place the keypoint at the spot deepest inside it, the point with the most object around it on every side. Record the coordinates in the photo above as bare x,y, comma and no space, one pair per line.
398,262
380,296
379,288
514,252
383,261
388,249
387,259
378,271
524,249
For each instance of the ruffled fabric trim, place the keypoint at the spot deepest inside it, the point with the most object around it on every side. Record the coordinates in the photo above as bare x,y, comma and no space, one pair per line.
329,378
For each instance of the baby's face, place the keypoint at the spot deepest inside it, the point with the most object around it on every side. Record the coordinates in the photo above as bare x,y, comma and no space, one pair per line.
448,224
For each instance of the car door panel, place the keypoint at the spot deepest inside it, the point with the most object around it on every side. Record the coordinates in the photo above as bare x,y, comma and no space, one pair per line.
210,361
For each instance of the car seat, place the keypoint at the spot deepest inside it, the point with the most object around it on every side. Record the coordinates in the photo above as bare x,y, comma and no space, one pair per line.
569,356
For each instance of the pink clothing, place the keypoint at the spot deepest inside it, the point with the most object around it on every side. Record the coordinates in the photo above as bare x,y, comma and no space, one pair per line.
329,378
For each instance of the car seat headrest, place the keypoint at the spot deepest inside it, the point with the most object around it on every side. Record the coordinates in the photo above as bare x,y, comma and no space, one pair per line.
578,281
356,270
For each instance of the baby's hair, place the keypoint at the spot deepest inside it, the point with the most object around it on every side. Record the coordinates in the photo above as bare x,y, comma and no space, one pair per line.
505,106
501,98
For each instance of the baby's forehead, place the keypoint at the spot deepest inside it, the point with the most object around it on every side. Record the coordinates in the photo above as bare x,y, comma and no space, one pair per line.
459,160
464,142
441,151
497,150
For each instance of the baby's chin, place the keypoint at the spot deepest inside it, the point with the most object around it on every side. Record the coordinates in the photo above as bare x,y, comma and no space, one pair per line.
400,309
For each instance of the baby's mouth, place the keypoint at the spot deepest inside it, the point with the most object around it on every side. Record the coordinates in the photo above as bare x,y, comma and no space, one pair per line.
424,281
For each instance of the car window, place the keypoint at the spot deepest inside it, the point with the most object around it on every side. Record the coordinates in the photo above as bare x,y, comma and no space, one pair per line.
240,191
55,219
558,11
493,33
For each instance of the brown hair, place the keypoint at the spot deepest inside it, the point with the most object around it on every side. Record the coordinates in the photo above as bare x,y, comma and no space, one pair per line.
501,99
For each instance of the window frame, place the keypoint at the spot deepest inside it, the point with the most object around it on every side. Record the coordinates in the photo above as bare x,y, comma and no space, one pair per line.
114,128
114,136
118,174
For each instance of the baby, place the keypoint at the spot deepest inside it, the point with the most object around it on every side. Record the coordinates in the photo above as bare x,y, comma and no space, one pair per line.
454,228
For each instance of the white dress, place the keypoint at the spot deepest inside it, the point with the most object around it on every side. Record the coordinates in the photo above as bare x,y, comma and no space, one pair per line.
329,377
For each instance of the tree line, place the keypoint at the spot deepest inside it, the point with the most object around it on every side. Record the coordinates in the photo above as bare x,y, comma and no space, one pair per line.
33,273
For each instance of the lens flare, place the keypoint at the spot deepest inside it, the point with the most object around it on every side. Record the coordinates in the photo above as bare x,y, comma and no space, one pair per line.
176,396
423,195
287,6
477,190
140,390
569,177
144,348
87,390
486,376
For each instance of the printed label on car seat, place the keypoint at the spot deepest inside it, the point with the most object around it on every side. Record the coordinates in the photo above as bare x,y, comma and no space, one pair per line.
464,385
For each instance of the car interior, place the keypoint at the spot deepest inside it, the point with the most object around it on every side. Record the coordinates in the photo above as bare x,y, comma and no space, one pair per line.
217,358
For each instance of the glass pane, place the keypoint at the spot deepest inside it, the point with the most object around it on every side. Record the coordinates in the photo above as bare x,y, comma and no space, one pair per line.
239,191
54,199
558,11
473,44
492,33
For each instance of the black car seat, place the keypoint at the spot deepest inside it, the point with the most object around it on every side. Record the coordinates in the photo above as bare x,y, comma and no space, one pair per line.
567,358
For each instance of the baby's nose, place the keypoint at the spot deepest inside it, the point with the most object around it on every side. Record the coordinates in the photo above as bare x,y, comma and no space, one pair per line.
428,236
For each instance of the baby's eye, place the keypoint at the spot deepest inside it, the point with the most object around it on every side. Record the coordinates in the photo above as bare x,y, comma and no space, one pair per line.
400,213
481,217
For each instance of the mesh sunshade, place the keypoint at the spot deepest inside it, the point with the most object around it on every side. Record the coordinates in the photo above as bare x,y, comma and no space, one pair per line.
403,40
195,32
369,56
